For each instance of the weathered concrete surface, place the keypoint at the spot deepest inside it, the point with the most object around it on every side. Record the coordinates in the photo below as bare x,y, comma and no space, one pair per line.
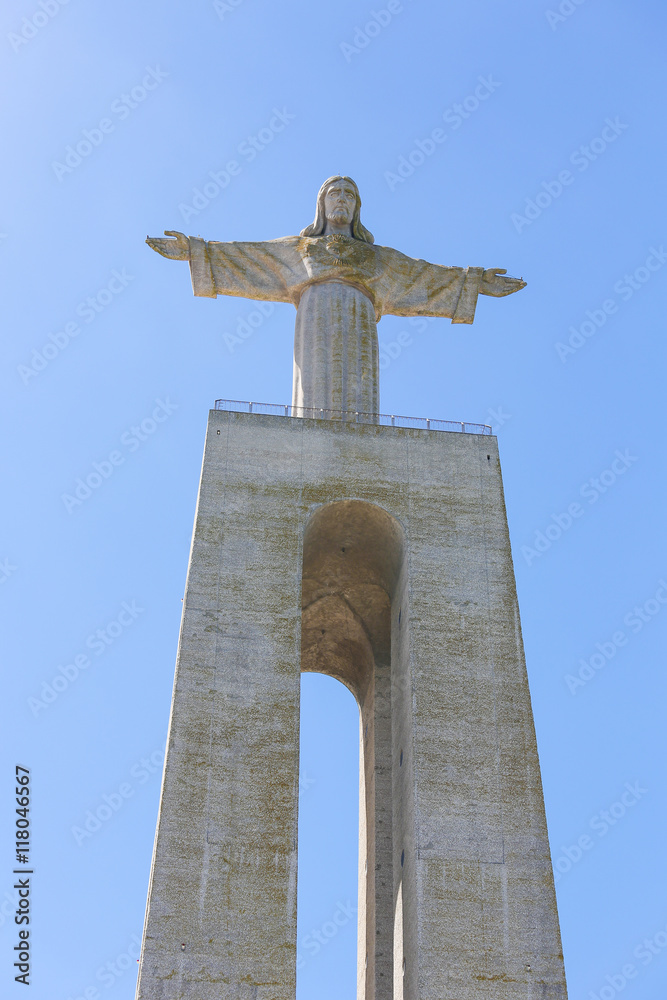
395,540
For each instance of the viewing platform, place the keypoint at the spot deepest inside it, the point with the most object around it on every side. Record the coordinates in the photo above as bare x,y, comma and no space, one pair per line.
383,419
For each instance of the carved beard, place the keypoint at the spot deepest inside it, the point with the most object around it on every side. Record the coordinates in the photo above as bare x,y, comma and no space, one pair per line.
339,215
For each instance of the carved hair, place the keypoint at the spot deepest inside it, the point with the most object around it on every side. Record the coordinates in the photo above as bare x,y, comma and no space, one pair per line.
317,227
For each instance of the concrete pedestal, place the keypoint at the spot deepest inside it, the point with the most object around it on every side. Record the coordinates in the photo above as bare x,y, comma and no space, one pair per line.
381,556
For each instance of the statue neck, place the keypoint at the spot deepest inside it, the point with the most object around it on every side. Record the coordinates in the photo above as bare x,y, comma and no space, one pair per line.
333,227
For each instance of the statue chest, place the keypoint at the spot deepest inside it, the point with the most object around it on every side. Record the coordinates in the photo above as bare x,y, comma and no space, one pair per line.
338,257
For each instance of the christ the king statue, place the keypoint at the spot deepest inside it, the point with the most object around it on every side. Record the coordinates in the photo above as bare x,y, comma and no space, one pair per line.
341,284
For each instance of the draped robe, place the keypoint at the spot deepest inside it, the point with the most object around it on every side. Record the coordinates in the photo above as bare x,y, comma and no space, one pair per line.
341,286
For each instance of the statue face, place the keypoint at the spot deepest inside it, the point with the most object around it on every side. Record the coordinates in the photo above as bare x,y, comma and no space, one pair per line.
340,202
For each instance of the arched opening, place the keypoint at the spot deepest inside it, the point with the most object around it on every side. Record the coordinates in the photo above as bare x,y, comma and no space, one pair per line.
352,573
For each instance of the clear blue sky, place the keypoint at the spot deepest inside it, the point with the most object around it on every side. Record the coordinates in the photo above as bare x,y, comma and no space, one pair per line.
555,170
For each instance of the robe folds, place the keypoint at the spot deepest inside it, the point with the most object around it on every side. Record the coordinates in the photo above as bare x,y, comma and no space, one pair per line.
340,286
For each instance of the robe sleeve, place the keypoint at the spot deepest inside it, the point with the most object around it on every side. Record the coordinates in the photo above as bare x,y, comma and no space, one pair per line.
266,270
416,288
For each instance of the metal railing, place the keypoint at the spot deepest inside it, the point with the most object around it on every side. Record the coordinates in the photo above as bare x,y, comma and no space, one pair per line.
383,419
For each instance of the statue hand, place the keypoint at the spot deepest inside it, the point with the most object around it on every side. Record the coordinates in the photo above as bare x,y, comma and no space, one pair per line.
177,249
496,281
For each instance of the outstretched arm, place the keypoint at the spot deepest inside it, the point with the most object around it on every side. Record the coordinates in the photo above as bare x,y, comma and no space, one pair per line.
177,248
495,281
250,270
411,287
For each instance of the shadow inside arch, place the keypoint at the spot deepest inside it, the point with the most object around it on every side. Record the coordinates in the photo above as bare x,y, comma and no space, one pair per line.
352,556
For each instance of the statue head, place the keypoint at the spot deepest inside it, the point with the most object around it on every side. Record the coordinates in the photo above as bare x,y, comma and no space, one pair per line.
344,184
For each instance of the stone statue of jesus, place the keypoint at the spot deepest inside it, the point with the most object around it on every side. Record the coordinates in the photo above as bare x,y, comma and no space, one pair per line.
341,284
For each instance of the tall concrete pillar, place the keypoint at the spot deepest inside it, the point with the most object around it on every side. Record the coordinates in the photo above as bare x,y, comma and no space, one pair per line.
380,556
